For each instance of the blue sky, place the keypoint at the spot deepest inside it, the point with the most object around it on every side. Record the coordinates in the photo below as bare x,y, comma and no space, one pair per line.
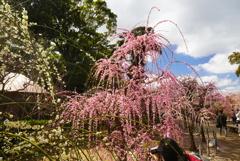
211,29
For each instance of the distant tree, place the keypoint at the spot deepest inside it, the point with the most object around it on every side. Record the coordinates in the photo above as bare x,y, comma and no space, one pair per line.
202,97
234,58
72,29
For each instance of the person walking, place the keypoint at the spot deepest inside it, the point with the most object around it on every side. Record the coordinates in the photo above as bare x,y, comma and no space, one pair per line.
222,121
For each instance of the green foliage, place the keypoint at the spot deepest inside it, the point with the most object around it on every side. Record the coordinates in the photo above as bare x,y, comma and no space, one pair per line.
36,122
71,26
234,58
138,31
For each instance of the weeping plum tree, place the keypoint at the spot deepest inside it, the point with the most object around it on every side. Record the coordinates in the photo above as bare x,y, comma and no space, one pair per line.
202,97
134,103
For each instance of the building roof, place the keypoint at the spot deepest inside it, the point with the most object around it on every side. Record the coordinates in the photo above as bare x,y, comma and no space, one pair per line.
14,82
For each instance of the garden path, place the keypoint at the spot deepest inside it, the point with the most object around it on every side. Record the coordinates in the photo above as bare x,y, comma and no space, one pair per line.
229,147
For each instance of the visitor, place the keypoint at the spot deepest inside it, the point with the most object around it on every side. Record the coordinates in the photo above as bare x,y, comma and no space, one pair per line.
238,121
236,111
169,150
238,117
233,116
222,121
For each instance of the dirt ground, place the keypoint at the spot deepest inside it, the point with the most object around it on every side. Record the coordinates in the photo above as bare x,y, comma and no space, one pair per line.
228,147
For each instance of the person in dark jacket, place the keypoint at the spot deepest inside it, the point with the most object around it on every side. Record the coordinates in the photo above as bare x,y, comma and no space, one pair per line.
222,121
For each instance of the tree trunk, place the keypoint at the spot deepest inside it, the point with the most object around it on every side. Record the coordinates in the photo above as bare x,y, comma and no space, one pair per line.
202,134
191,138
122,143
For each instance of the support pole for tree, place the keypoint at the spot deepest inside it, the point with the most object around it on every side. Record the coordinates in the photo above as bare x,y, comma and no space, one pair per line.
215,142
200,149
208,150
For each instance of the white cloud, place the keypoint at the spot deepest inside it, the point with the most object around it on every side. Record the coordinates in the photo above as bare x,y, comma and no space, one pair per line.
220,82
209,27
230,90
218,64
225,85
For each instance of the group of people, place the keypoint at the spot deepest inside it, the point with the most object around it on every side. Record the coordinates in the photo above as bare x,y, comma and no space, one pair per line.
222,120
169,150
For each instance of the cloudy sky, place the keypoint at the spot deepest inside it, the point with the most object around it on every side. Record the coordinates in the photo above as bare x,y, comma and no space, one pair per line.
211,29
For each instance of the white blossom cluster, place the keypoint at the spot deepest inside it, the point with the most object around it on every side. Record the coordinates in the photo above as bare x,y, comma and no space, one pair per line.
21,53
52,140
19,141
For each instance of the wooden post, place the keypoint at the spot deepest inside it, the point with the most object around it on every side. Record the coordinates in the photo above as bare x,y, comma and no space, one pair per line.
215,142
207,133
208,150
200,150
